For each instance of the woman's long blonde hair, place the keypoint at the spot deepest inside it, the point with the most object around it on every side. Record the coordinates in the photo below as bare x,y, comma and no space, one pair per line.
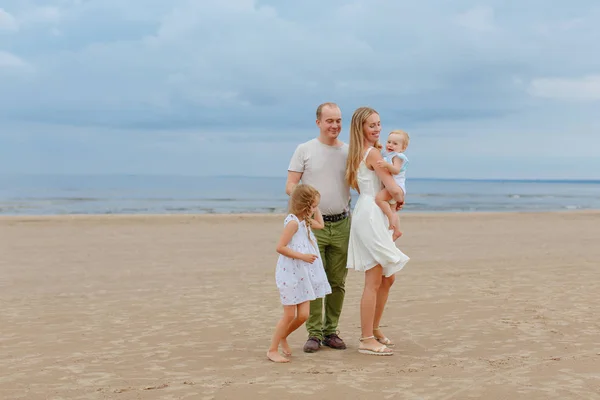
357,144
301,200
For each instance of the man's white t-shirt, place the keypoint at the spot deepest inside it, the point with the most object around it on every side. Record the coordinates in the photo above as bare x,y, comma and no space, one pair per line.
324,167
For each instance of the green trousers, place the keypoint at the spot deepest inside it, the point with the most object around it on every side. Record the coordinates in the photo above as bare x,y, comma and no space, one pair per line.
333,246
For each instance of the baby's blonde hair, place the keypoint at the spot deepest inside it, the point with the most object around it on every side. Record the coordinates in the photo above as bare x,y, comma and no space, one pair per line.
301,200
404,135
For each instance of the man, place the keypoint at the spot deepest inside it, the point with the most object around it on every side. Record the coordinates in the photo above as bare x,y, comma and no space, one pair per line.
321,162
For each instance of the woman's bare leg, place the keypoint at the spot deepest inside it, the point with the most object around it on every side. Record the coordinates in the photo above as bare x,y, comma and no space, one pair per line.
368,304
382,297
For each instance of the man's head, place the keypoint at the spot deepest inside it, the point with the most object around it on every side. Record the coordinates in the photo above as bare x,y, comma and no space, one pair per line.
329,120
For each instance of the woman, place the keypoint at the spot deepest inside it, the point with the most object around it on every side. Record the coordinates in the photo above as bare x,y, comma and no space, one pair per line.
371,248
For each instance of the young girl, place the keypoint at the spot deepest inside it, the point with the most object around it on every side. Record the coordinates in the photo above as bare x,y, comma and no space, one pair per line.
299,274
395,161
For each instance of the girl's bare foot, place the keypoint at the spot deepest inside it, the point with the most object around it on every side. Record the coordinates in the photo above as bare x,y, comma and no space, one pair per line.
397,234
285,348
276,357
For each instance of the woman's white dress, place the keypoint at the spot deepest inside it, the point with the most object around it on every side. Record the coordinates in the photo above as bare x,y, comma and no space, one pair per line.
370,239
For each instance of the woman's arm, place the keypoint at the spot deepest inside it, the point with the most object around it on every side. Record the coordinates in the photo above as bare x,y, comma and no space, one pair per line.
385,176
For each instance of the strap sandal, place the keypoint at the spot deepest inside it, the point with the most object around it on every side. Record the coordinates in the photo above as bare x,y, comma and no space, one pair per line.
383,340
382,350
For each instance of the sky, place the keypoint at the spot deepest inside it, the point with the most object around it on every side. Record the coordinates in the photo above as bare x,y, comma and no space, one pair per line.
496,89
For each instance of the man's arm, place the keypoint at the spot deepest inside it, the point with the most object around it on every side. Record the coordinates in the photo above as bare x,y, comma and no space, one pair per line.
293,179
295,170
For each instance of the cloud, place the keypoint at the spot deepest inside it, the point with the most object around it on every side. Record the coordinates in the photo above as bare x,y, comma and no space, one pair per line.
252,72
477,19
228,63
10,61
8,22
40,15
576,89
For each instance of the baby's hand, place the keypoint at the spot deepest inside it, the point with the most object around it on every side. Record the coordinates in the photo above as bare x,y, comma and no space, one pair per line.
381,163
309,258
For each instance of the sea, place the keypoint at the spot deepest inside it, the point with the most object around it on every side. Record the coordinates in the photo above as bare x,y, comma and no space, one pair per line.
145,194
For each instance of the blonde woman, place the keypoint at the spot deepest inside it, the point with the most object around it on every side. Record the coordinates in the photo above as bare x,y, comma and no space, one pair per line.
371,248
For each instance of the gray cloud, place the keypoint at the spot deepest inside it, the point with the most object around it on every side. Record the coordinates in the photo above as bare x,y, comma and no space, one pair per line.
254,71
240,62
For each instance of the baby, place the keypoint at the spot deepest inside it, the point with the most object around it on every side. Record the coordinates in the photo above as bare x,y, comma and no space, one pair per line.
395,161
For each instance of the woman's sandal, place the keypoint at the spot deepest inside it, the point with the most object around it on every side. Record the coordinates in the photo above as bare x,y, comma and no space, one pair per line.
382,350
383,340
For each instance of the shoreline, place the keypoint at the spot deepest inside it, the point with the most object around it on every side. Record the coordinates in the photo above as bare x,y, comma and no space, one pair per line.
416,214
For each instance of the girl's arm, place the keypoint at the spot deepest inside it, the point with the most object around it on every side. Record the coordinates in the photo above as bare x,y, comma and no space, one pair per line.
384,175
288,231
317,222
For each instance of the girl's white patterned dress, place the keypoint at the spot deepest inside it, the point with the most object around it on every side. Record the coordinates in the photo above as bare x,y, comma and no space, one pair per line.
297,280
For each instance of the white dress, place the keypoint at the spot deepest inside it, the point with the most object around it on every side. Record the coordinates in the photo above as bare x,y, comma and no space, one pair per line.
297,280
370,239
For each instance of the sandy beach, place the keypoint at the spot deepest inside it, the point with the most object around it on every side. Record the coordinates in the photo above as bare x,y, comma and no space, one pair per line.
491,306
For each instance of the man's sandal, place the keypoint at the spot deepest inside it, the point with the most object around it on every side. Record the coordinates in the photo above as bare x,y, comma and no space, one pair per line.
382,350
383,340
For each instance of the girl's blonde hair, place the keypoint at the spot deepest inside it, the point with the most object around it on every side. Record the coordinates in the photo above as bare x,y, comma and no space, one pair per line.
301,201
357,144
404,135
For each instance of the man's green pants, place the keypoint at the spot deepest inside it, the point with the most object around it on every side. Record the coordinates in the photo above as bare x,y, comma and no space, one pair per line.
333,246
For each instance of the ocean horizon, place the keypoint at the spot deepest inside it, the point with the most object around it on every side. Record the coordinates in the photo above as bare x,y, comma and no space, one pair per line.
53,194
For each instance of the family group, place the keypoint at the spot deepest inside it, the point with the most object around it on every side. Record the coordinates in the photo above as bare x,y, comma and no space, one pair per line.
323,238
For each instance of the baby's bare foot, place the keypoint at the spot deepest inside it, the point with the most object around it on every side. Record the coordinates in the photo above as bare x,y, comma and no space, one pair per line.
276,357
394,222
285,348
397,234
